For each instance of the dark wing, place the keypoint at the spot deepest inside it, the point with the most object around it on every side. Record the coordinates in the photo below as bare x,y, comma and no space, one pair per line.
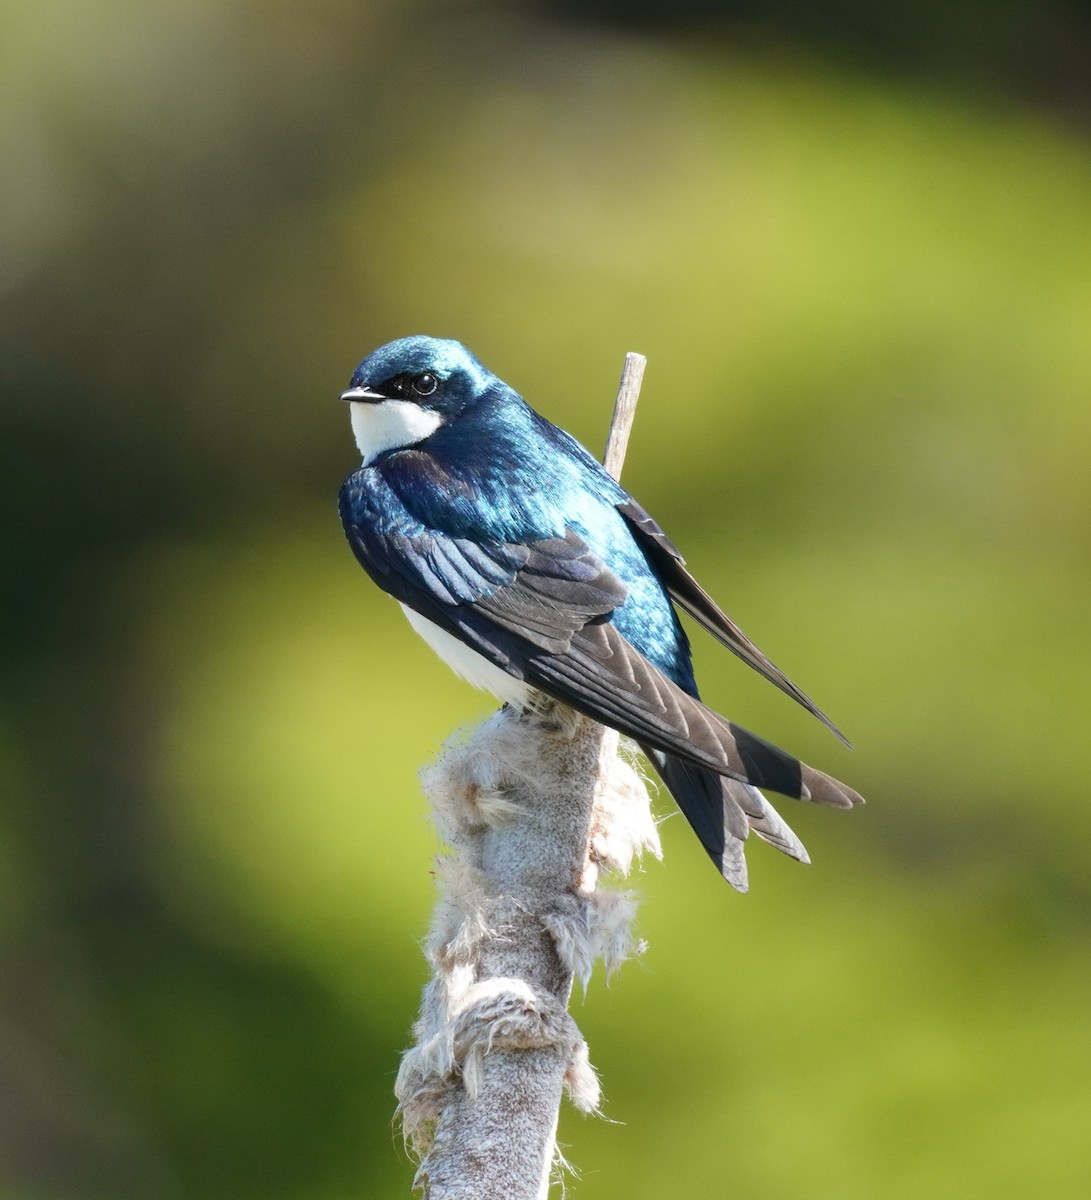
537,594
541,612
603,676
688,594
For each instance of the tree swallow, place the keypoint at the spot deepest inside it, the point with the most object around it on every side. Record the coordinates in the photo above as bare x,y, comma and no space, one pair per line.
529,569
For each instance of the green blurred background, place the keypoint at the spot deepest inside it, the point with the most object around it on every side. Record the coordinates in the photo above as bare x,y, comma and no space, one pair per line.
855,243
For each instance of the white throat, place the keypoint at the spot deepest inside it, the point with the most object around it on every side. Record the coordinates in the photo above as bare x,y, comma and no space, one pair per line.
390,425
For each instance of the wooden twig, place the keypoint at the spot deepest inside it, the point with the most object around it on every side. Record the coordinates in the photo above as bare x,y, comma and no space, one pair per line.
531,808
621,424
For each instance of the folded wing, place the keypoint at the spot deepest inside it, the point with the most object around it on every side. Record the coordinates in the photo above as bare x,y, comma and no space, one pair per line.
540,611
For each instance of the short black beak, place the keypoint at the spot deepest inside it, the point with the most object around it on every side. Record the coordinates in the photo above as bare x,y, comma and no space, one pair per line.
363,395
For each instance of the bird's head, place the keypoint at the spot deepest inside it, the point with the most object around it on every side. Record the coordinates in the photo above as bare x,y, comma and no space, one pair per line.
406,390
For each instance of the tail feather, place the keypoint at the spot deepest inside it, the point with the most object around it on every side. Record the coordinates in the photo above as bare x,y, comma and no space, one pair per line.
722,813
765,821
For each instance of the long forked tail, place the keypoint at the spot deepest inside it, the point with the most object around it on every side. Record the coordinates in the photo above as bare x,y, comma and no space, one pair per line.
723,812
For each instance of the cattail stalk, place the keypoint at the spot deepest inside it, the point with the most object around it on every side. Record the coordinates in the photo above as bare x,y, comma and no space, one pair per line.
531,809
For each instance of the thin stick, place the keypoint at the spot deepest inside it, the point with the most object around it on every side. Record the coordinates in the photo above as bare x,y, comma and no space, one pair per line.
532,808
621,424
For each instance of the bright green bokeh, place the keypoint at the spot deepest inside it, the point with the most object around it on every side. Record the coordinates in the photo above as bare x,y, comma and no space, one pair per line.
866,422
864,418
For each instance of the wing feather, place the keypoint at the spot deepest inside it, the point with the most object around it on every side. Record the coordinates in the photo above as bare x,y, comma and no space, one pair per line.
605,677
692,598
541,611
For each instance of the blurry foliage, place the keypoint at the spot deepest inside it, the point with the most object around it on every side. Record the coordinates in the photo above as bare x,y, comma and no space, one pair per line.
863,281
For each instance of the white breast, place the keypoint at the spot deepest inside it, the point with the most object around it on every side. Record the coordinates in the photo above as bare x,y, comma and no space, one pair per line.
469,665
390,425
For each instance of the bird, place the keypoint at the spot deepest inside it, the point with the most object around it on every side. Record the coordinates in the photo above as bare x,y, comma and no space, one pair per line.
531,571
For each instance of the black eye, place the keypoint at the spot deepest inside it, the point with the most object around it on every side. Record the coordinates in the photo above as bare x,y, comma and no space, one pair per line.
426,384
